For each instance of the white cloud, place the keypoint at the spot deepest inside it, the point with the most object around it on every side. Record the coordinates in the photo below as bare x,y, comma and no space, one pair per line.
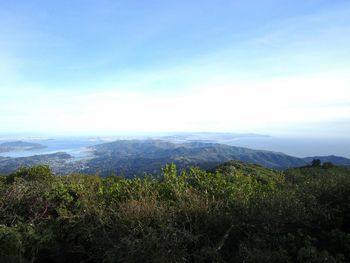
229,106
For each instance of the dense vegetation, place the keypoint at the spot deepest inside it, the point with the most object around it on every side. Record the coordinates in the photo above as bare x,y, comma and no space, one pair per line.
235,213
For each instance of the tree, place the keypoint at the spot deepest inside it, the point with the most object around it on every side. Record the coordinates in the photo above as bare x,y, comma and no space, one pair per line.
316,163
327,165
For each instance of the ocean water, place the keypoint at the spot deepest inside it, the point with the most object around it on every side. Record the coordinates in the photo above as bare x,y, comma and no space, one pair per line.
78,148
299,147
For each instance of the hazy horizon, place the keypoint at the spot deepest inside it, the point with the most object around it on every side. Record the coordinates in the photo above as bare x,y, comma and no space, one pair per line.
294,146
103,67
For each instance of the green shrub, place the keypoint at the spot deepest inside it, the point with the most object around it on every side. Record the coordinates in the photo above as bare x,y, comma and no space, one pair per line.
238,213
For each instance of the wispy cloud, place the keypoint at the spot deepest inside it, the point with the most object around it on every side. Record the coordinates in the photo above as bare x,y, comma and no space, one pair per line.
239,106
173,71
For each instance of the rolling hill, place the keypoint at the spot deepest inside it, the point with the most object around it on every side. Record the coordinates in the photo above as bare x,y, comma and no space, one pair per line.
135,157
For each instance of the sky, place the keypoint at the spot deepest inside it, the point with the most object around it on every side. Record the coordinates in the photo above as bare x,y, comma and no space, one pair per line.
107,66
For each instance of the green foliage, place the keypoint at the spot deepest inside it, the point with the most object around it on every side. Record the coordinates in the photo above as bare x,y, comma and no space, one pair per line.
10,244
236,213
35,173
2,182
316,163
327,165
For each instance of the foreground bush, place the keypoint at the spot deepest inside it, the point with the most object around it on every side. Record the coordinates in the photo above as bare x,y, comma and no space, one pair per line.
238,213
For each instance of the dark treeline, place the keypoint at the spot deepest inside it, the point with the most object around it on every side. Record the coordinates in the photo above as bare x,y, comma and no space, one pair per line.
237,213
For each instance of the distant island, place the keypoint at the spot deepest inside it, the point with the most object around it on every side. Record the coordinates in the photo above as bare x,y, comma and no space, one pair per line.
20,146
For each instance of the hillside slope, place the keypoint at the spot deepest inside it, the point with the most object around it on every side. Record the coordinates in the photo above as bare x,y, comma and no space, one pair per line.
132,157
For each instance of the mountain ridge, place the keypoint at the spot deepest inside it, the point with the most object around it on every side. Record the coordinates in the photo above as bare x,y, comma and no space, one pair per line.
129,156
136,157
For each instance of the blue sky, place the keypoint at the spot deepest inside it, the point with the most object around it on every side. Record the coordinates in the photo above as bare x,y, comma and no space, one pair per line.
265,66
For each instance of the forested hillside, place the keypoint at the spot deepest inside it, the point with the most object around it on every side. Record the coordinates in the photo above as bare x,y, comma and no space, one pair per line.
135,158
235,213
